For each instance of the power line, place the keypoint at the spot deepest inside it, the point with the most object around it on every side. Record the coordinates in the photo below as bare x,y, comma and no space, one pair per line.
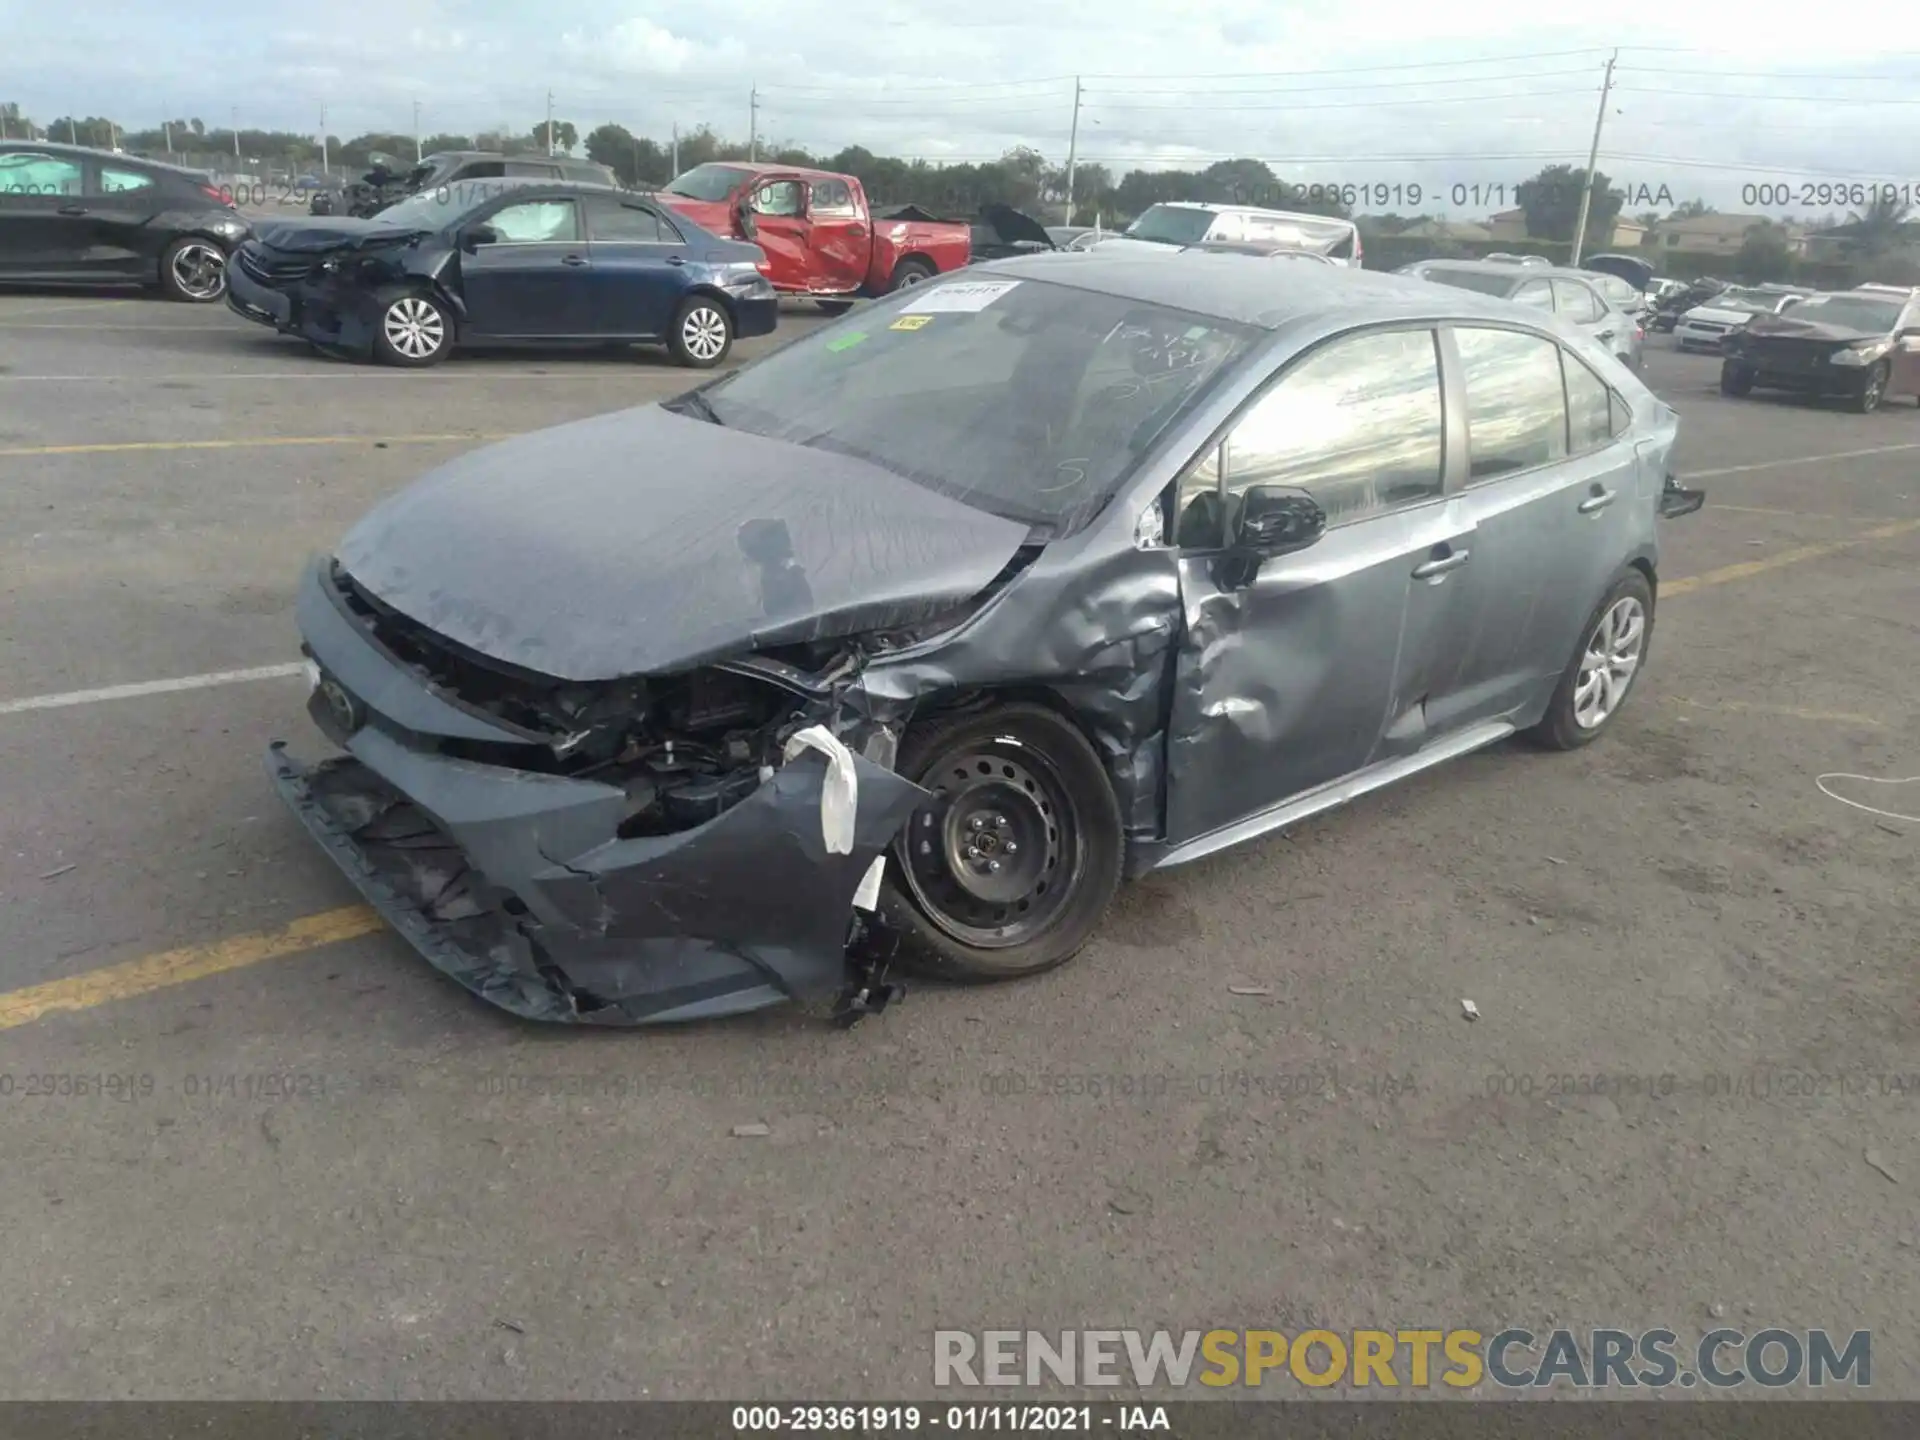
1370,69
1372,84
1348,104
1777,74
1738,95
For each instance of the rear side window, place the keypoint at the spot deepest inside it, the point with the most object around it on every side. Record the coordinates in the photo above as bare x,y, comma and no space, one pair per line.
1357,425
1575,302
1516,403
609,219
113,181
830,198
26,173
485,170
1594,413
1534,293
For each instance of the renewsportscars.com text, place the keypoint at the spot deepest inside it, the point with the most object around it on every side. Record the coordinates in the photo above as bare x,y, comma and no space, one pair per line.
1512,1359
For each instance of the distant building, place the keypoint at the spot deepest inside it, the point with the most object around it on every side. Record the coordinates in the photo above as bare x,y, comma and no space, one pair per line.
1455,232
1508,226
1720,234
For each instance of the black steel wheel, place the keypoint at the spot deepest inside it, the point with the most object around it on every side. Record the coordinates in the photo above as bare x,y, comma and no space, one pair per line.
1010,868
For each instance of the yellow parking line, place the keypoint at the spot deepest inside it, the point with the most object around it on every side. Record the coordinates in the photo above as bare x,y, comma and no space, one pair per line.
1746,570
177,967
259,441
1788,712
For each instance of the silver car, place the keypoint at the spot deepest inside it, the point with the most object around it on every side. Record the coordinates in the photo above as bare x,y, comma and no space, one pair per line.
1573,295
932,627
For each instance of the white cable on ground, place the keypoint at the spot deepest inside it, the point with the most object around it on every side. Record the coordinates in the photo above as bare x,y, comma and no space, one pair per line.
1821,781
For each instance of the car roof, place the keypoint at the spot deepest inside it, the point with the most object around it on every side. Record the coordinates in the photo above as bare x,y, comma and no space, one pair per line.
94,152
1518,272
1244,289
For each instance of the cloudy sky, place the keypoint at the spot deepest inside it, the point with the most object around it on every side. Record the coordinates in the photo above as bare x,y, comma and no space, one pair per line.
1460,98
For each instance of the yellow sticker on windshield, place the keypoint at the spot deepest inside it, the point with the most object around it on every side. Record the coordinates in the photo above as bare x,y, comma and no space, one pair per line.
910,322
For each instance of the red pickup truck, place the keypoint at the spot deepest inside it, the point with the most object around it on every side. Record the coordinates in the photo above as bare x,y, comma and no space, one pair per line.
820,236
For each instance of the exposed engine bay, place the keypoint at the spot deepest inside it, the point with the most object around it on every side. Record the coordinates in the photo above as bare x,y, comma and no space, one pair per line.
684,748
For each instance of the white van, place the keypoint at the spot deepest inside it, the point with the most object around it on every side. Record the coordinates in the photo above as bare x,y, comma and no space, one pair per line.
1183,223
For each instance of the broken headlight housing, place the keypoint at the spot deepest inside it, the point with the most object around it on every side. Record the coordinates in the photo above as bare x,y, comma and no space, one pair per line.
1862,354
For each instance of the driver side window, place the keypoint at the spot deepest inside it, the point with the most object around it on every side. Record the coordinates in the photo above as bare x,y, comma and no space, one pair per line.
781,197
1357,425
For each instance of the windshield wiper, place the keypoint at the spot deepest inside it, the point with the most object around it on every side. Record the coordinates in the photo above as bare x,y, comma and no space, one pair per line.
697,405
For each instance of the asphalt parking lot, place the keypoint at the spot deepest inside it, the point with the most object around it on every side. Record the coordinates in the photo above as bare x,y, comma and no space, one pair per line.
324,1171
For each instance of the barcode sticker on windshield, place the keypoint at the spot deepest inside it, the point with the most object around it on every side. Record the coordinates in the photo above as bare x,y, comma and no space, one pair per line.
959,297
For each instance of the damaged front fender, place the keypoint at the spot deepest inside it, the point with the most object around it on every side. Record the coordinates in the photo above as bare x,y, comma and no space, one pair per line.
517,885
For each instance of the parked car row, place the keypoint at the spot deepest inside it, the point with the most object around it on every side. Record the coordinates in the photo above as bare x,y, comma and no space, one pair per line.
1862,346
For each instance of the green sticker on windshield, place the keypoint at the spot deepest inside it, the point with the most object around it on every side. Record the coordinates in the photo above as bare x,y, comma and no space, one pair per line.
846,342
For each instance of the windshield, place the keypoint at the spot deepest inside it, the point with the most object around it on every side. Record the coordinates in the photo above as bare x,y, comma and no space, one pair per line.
1030,400
1740,298
1854,312
708,182
1472,280
1171,225
441,205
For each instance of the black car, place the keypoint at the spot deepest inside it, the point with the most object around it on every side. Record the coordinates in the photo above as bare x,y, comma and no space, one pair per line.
504,261
1860,347
70,215
389,181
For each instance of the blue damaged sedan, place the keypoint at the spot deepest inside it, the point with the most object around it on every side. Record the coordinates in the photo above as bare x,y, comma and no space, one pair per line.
504,262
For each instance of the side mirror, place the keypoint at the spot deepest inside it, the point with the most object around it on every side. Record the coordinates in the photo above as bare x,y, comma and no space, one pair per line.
1273,520
475,236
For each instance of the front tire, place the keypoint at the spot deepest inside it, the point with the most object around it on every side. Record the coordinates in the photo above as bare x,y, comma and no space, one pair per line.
413,331
1612,652
193,270
1872,390
702,333
1735,380
1010,869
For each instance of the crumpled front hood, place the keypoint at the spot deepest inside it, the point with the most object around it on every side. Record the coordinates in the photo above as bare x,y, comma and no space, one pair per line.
315,234
1769,326
644,542
1720,314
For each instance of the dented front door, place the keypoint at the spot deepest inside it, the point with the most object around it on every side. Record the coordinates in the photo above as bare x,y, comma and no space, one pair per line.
1287,683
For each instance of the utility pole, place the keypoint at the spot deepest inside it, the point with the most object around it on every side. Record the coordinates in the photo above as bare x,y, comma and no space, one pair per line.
676,152
1593,158
1073,148
416,132
72,139
753,123
323,140
167,125
236,132
550,122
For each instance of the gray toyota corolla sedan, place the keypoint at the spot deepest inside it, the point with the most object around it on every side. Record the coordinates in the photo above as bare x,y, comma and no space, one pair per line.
912,639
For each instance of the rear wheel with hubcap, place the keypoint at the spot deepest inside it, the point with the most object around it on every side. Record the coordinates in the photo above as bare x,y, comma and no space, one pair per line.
193,269
1009,870
911,272
702,333
1612,649
413,330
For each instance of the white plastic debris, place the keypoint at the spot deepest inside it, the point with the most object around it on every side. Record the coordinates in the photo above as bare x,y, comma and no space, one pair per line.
867,897
1470,1010
839,793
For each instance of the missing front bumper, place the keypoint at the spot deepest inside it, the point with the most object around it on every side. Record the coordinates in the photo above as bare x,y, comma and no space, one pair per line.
515,886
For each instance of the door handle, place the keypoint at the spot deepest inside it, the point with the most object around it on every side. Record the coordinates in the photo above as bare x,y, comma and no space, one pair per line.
1442,565
676,259
572,260
1597,502
71,210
